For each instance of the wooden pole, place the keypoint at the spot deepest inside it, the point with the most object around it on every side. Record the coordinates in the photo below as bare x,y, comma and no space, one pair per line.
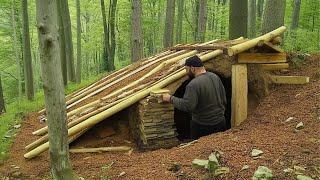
253,42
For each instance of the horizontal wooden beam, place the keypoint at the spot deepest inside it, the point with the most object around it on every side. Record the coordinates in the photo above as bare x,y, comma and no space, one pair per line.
256,58
272,67
289,79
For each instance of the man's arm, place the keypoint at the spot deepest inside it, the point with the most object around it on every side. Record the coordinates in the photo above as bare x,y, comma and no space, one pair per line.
188,103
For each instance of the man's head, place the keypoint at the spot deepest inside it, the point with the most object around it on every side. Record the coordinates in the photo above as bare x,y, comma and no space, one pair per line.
194,66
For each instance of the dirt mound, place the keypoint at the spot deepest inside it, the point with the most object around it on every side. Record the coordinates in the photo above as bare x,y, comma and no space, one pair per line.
265,129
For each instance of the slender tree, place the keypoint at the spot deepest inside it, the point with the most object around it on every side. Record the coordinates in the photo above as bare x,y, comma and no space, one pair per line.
169,25
112,28
2,103
260,8
16,48
78,67
68,40
47,24
106,47
62,41
295,14
28,73
202,20
179,21
273,16
136,31
238,16
252,18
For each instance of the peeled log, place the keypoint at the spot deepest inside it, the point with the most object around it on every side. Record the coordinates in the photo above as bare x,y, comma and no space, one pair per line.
122,105
254,42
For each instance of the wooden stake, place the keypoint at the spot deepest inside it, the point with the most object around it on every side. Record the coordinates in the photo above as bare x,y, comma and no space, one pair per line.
239,100
101,149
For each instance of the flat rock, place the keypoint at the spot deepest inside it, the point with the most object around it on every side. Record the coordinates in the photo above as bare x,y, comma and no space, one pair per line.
299,126
303,177
213,163
289,119
200,163
262,173
299,168
256,152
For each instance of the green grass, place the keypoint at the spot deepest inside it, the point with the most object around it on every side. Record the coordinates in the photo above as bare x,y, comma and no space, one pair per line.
19,109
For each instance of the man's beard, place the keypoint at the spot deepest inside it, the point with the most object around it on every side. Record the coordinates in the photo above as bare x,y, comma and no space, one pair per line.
191,75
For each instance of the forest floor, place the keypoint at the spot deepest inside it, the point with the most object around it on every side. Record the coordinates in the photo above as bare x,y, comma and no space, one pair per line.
266,129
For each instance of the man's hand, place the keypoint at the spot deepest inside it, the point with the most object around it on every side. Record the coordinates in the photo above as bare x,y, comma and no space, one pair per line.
166,97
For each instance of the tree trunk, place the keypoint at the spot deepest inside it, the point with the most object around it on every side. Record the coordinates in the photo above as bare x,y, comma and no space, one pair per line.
16,48
112,20
106,49
179,22
2,103
169,25
273,16
202,20
28,74
62,41
68,40
295,14
47,23
260,8
252,18
238,17
78,70
136,34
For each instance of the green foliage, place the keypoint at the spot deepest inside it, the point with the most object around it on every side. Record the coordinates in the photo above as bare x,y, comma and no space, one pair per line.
19,109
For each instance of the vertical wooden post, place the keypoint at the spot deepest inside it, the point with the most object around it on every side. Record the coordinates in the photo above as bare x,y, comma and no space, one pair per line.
239,101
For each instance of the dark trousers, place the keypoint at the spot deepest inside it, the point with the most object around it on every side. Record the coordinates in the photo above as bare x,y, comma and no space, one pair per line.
198,130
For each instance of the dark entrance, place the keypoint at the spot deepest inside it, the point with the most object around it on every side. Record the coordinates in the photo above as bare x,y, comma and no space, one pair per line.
182,119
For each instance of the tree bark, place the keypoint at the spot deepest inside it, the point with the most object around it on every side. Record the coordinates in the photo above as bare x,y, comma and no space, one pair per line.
78,69
202,20
273,16
238,18
295,14
112,20
28,73
252,18
179,22
2,103
68,40
106,49
47,23
16,48
169,24
136,34
62,41
260,8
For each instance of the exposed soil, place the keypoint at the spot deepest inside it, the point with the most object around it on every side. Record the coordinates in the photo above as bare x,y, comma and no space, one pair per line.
264,129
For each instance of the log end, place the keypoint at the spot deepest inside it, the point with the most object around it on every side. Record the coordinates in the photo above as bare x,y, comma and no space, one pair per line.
231,52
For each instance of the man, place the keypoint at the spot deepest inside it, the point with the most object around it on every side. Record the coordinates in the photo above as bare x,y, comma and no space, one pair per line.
204,97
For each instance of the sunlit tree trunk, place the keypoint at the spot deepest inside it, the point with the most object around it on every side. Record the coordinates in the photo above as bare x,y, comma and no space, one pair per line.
16,48
47,24
136,32
28,73
112,19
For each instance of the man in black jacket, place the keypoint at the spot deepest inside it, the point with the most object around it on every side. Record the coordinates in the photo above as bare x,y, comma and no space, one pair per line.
204,97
